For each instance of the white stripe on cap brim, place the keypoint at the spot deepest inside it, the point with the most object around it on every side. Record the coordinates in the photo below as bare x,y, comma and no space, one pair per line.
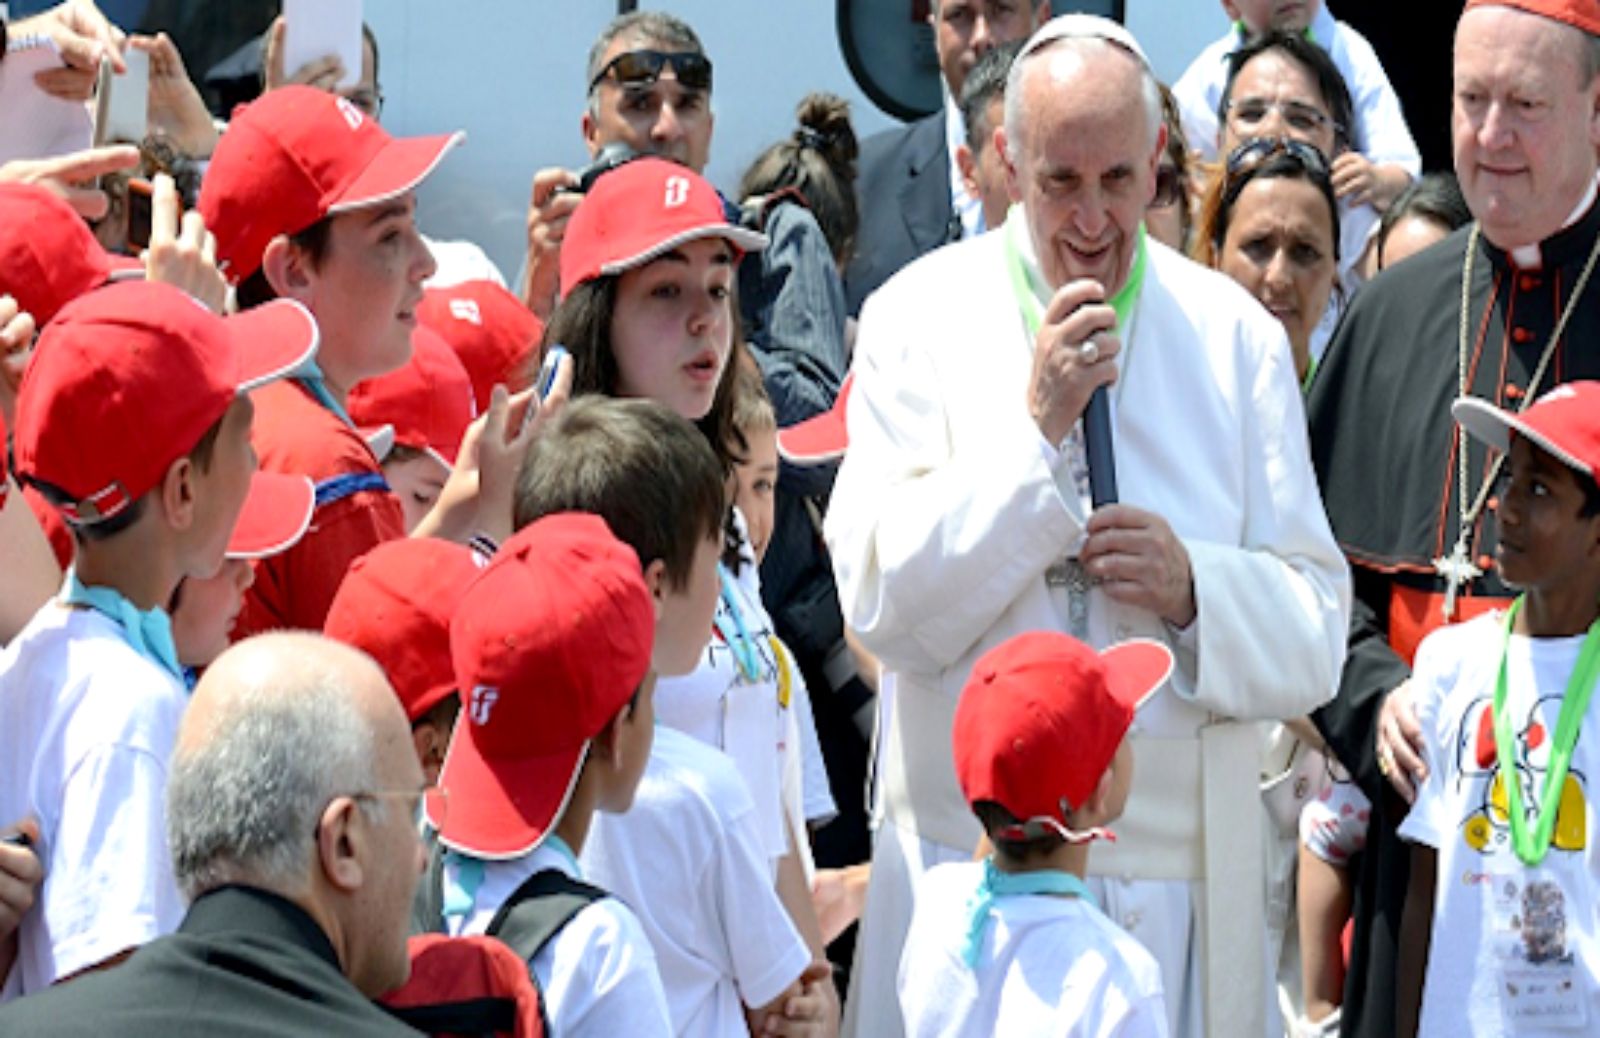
1488,423
746,240
272,341
391,192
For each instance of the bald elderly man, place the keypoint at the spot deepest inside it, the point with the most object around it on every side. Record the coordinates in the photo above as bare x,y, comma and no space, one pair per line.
290,817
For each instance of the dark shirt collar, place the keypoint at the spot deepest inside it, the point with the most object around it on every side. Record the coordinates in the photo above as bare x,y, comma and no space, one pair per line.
1567,247
260,913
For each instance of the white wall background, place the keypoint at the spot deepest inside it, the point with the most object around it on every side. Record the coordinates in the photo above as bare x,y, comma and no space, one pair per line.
511,73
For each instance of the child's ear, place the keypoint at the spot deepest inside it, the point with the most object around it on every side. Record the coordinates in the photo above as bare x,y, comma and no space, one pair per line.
607,744
287,269
1100,800
178,493
655,578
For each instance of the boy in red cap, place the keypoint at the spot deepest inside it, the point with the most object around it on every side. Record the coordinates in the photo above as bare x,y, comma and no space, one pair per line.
311,200
552,647
276,515
730,956
490,329
1503,701
415,417
134,420
1042,755
395,605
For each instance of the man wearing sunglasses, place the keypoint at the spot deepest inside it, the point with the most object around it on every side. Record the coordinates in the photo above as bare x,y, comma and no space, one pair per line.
966,511
911,192
291,807
1502,310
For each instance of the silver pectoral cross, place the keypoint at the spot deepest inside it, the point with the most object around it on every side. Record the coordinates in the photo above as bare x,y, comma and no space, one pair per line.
1457,570
1070,574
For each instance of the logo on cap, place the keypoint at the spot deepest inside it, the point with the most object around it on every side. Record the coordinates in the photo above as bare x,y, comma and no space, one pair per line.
677,191
483,700
352,114
466,310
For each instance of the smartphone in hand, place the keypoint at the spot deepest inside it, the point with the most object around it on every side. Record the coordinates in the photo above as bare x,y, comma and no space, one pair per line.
545,381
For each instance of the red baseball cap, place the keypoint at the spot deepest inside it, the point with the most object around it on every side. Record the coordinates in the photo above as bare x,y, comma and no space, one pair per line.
48,255
276,514
821,438
428,403
549,644
127,379
295,155
1584,14
638,211
395,605
1564,422
1043,714
490,329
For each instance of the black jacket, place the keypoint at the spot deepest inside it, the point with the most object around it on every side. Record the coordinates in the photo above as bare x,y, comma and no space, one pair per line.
903,192
244,963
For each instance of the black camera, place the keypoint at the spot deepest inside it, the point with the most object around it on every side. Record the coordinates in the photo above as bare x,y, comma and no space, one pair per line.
609,158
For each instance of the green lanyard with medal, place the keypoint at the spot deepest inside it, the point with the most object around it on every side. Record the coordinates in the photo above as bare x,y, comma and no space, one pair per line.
1532,846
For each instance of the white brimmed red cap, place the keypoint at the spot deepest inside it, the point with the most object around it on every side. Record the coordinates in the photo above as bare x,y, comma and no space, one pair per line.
490,329
427,404
639,211
549,645
395,604
276,514
821,438
296,155
48,255
1042,715
127,379
1565,422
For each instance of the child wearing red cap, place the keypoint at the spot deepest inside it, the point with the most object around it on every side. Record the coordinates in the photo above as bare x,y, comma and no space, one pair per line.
133,420
491,331
311,200
417,415
552,647
395,605
654,480
1015,944
204,609
1499,934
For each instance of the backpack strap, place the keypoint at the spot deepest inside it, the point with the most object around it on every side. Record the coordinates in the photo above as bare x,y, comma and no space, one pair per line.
538,909
427,902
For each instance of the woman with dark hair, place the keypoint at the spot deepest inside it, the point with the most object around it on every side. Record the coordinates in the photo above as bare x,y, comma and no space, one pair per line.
1273,226
1283,85
816,166
1425,213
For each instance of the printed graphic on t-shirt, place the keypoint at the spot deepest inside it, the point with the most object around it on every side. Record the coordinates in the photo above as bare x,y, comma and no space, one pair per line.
1487,828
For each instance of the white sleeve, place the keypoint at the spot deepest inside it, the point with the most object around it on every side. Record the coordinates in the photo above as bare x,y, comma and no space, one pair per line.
1285,575
766,951
911,518
598,977
1426,822
108,880
1147,1018
816,794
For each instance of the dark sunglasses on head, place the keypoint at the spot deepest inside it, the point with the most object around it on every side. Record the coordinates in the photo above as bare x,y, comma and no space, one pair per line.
1252,154
1169,187
643,68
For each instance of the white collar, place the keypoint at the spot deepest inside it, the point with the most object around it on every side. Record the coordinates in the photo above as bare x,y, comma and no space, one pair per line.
1530,257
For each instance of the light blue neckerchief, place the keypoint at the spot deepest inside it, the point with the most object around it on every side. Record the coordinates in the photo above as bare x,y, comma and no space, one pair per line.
1011,884
147,631
460,884
309,375
738,640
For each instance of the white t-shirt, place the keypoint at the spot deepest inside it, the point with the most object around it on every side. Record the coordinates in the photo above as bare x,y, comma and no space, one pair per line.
687,857
86,727
1048,965
1506,937
740,716
598,975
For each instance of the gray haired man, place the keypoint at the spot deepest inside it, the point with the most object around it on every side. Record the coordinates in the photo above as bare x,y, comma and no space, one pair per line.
290,818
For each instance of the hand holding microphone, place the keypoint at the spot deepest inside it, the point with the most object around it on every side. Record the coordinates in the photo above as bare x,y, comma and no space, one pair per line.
1073,361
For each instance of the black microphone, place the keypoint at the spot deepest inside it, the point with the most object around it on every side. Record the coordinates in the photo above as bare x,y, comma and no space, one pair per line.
1097,449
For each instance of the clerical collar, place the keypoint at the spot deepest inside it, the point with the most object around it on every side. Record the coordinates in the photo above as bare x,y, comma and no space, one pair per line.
1531,257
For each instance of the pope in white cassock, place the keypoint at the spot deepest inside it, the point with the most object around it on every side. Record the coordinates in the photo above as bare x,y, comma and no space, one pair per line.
961,517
